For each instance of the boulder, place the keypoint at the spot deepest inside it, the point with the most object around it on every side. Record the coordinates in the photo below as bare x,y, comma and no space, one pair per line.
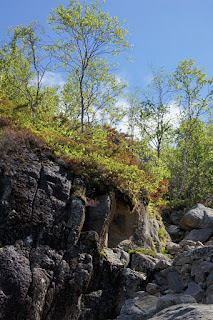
142,263
152,288
173,248
176,216
163,264
174,283
195,291
209,295
209,280
201,235
174,231
116,256
185,312
199,217
129,283
172,299
139,308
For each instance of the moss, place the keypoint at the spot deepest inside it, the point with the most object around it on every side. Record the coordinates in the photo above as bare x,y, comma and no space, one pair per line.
144,251
162,233
165,253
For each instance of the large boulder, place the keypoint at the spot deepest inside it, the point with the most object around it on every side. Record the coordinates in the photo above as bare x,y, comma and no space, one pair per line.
172,299
139,308
198,217
185,312
201,235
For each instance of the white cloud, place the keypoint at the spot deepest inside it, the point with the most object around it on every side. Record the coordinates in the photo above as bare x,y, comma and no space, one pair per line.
174,113
148,78
53,79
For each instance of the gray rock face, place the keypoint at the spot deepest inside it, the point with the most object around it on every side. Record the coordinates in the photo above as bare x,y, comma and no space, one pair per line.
143,263
195,291
15,280
117,256
209,295
198,217
50,241
185,312
132,230
129,284
100,215
139,308
174,281
172,299
201,235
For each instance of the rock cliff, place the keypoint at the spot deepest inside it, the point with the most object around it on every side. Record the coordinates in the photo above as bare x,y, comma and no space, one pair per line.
71,251
52,230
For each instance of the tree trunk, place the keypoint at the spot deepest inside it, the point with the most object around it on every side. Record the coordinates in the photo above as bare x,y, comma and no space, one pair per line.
82,108
184,166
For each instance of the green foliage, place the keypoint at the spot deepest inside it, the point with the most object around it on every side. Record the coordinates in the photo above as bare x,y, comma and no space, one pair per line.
21,67
198,181
86,35
144,251
102,156
158,162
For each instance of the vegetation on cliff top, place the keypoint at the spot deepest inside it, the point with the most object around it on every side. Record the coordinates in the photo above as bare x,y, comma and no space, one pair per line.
160,160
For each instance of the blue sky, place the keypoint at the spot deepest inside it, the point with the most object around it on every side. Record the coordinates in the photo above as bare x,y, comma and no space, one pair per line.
163,31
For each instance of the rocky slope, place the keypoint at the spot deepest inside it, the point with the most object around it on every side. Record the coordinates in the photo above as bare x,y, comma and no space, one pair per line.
65,249
51,237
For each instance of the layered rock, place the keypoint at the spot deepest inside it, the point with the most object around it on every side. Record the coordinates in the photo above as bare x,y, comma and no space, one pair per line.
51,237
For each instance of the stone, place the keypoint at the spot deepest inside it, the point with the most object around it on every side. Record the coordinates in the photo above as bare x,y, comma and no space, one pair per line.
163,264
199,234
165,272
176,216
185,268
99,215
138,309
209,279
52,229
174,282
76,221
152,288
196,254
15,280
209,295
142,263
116,256
129,284
172,299
174,231
209,242
154,232
134,227
185,312
199,217
161,281
133,280
125,245
173,248
187,242
195,291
